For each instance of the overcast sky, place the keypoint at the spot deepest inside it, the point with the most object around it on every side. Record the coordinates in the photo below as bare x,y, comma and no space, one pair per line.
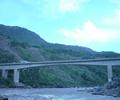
90,23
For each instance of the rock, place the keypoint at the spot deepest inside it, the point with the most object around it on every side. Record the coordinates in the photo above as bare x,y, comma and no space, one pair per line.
3,98
98,91
111,88
113,84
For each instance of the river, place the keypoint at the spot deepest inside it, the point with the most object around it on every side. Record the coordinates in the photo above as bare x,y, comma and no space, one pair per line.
51,94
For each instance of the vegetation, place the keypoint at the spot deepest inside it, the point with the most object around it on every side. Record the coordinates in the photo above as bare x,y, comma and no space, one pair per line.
6,57
19,44
62,76
6,82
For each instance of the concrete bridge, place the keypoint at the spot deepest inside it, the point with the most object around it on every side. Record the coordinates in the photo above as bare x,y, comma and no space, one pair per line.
16,67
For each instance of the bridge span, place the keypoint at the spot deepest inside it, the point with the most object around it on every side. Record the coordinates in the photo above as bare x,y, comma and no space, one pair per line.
16,67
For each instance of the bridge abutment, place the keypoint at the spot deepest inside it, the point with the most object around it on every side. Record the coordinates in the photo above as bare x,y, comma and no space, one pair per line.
109,71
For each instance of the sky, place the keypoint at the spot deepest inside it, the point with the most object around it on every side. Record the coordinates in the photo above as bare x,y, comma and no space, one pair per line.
90,23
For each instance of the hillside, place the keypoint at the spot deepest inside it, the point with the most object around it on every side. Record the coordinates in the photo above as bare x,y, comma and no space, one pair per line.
19,44
21,35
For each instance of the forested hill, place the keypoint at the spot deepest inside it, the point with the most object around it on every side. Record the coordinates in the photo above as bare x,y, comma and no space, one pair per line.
27,45
21,35
19,44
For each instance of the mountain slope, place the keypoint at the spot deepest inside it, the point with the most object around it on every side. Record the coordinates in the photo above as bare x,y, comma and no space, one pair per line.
19,44
21,35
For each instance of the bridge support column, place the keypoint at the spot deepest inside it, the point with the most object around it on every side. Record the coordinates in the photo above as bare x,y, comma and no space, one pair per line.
16,76
109,70
4,73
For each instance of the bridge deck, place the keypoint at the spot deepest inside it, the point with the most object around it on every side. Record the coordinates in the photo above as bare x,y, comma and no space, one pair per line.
109,62
104,62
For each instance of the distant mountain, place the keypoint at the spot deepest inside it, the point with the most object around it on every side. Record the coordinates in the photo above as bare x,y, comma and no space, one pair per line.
21,35
19,44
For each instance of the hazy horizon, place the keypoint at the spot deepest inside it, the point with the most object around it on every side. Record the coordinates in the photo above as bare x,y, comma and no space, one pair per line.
89,23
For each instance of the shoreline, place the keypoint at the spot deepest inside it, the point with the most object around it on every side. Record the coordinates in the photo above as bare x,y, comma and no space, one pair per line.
55,92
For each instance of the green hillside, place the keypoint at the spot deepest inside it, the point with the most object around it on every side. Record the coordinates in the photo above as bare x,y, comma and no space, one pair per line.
19,44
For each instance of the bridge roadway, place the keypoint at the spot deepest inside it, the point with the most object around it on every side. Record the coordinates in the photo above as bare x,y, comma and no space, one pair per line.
109,62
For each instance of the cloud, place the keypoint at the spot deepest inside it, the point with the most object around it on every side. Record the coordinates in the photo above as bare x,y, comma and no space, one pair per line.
71,5
55,8
114,19
68,6
90,34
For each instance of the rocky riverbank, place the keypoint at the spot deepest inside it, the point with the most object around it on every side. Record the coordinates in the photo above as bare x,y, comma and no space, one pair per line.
51,94
111,88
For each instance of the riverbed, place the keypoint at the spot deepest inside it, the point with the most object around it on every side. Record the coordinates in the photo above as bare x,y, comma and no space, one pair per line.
52,94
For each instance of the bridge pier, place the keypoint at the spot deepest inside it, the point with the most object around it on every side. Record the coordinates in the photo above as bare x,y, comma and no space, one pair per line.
109,70
16,76
4,73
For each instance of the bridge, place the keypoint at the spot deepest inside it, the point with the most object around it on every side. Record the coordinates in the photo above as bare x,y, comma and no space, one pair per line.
16,67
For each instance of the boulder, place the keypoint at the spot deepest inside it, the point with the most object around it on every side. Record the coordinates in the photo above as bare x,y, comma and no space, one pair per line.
111,88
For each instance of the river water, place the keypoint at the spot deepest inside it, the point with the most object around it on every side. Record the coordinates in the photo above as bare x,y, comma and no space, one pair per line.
52,94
